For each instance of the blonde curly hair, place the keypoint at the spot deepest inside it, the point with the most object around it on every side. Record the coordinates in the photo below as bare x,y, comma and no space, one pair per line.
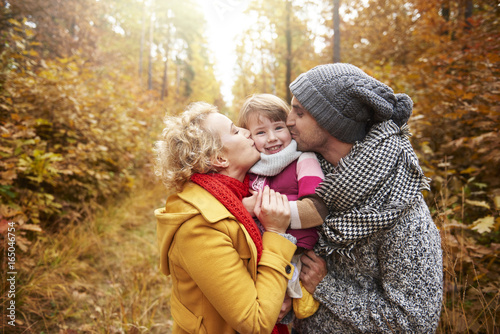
267,105
186,146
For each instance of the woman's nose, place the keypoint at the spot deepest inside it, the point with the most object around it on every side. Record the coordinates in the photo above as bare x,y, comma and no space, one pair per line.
246,132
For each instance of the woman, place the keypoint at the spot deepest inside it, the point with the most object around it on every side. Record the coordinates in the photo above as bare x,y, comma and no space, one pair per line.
226,277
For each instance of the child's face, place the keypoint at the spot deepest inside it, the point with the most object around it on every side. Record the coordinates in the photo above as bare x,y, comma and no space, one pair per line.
269,137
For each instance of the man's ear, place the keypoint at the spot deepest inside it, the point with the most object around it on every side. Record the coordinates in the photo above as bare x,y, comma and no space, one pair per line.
220,162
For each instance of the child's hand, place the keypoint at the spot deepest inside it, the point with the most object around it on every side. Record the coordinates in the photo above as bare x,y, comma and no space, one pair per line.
249,202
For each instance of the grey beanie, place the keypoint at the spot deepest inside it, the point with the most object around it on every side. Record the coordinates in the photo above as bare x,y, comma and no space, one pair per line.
346,101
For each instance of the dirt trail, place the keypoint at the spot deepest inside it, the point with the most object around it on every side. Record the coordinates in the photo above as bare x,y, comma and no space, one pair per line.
100,276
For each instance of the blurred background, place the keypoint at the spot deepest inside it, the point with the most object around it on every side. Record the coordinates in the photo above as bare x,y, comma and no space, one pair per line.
84,85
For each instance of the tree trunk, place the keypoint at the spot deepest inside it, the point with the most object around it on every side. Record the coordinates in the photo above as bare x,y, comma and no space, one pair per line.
336,31
288,34
150,62
177,79
143,37
164,86
263,65
469,7
445,11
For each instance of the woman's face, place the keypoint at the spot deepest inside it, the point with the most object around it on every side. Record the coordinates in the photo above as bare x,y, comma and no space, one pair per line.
239,149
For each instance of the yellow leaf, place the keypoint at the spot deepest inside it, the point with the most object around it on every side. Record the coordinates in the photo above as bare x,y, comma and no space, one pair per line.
20,45
496,200
29,33
31,227
484,224
469,170
14,22
482,204
468,96
452,200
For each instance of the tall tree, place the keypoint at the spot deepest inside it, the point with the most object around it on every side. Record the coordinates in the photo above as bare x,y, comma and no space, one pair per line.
283,42
164,83
336,31
173,27
63,28
288,37
143,39
150,53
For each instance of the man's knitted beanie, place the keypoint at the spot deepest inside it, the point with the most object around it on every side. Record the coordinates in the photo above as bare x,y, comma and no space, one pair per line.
346,101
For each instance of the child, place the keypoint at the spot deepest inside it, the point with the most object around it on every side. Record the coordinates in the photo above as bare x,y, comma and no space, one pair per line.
286,170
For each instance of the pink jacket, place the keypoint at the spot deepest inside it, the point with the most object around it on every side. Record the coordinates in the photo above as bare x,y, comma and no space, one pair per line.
298,179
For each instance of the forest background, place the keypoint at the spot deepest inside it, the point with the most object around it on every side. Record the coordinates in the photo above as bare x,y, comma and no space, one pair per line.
84,85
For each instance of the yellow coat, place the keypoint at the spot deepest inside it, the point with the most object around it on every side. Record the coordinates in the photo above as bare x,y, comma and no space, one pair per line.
216,285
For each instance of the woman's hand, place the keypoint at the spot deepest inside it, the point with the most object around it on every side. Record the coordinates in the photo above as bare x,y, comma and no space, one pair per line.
250,201
313,270
273,210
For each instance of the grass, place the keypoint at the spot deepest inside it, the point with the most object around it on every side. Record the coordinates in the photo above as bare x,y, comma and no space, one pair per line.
98,277
102,276
471,296
471,302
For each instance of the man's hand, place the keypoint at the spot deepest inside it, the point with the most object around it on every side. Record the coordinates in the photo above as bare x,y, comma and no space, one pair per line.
285,307
313,270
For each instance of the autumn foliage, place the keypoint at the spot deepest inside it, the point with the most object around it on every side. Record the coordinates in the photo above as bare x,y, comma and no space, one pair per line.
72,137
77,123
84,85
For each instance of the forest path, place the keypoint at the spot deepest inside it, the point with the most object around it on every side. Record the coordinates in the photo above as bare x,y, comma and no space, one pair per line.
101,276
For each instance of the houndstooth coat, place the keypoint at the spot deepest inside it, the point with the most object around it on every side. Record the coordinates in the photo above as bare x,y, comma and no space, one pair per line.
393,282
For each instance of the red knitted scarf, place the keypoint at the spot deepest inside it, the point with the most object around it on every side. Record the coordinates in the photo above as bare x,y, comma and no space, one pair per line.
230,192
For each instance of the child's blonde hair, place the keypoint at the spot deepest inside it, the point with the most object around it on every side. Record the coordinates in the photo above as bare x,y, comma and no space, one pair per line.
267,105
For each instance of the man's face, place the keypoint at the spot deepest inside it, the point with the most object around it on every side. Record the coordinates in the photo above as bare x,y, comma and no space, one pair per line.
305,130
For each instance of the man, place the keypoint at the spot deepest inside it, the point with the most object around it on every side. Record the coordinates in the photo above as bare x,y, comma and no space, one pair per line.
382,271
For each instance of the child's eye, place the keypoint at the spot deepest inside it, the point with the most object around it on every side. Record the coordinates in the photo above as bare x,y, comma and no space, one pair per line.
260,133
280,127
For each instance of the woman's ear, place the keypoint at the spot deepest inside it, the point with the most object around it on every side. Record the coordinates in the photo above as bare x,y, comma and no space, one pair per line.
220,162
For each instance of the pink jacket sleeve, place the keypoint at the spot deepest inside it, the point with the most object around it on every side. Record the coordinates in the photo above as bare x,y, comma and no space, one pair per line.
309,173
